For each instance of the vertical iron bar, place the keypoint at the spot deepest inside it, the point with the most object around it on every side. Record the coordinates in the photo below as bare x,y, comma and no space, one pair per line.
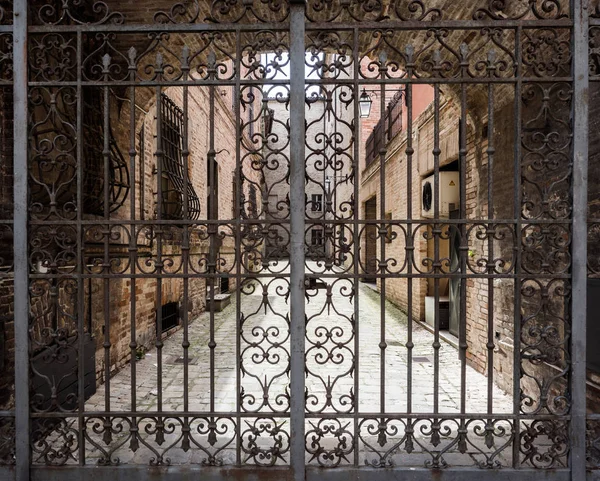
518,235
382,293
462,323
133,233
297,226
106,235
185,249
490,251
409,244
158,233
238,245
579,246
436,247
21,291
80,260
356,241
462,326
212,233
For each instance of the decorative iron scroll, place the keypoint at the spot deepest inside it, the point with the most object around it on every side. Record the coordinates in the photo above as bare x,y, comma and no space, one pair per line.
217,76
53,142
174,189
430,11
65,12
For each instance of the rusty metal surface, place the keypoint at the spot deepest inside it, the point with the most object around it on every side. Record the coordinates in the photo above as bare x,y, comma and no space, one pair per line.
114,196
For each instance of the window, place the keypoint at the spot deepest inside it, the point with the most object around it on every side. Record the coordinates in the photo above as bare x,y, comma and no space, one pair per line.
253,205
212,191
317,203
169,316
394,115
386,129
173,182
94,177
269,117
316,237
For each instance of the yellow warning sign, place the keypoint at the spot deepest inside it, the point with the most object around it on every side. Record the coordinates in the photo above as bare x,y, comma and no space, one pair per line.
452,184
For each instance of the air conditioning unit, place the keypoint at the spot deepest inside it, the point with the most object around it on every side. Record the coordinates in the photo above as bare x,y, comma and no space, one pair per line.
449,195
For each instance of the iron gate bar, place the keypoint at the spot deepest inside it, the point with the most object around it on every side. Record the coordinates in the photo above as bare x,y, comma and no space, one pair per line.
356,270
371,82
297,415
194,473
80,237
517,202
382,298
237,213
297,229
133,152
436,232
399,25
409,213
462,322
580,211
490,251
20,240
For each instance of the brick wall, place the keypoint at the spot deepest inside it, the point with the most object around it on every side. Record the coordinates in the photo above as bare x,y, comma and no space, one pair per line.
478,308
147,297
396,206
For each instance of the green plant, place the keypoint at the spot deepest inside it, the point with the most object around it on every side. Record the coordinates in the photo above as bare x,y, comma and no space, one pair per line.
140,352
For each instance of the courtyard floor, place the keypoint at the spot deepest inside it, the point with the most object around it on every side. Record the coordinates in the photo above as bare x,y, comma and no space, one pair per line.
331,366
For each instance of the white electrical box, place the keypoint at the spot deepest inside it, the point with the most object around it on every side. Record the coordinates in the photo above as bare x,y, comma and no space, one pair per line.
449,195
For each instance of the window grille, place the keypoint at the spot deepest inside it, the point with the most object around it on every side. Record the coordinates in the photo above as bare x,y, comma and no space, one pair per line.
253,206
386,129
93,181
394,115
170,316
316,237
317,203
173,180
50,168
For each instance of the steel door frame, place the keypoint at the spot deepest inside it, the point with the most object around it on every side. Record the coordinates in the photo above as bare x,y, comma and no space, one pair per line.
23,471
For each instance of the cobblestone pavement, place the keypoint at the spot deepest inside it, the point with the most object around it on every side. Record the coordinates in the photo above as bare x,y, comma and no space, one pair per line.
329,348
369,359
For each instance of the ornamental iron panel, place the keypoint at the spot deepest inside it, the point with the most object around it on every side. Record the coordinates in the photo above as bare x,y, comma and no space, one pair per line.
214,267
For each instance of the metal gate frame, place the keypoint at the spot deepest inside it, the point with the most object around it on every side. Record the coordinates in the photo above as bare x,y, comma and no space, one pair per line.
23,470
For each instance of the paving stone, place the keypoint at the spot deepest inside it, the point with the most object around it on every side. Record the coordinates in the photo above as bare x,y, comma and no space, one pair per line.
330,370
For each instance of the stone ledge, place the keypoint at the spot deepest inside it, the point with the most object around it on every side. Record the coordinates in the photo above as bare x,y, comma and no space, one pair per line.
221,301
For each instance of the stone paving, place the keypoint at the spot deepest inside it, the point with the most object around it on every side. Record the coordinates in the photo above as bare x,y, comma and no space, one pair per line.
368,360
330,364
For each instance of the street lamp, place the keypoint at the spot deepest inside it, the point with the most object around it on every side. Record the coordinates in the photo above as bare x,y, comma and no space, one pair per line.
364,101
365,104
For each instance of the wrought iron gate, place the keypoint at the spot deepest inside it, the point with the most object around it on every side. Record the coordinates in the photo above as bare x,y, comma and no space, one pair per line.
197,153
